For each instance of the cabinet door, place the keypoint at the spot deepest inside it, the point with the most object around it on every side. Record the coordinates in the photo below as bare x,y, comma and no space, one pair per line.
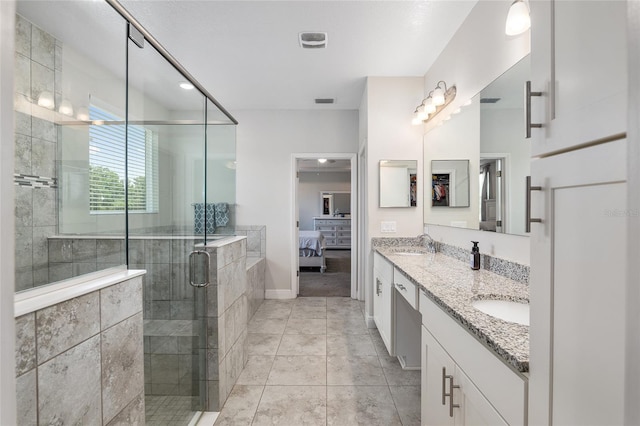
577,290
377,303
474,409
578,61
434,404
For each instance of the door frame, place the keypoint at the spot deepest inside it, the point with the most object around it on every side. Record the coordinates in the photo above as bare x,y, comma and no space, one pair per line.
295,267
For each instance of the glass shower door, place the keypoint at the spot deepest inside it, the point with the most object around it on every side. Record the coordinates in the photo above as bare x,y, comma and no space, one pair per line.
167,221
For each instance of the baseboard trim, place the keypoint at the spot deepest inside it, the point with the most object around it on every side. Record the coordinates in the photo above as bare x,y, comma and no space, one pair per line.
370,321
279,294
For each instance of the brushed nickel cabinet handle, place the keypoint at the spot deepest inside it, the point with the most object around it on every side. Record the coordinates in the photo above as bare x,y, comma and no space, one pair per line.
450,395
528,220
444,385
527,110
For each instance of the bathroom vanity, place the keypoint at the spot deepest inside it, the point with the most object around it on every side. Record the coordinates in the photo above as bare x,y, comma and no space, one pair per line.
474,365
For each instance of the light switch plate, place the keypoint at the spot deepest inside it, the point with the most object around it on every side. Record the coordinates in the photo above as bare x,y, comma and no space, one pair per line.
388,226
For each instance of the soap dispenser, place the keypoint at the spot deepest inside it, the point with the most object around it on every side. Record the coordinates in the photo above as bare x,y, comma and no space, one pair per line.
475,256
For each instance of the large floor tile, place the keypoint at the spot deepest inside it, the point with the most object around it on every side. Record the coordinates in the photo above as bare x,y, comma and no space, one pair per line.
306,326
241,406
292,405
298,370
348,370
299,311
361,405
303,344
396,376
263,344
267,325
273,311
311,301
256,371
350,345
348,325
407,400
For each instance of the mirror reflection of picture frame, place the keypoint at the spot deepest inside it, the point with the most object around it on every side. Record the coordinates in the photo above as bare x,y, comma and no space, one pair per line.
440,189
327,204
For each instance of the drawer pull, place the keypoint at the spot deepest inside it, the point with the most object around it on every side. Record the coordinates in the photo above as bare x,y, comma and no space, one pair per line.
378,287
401,287
446,376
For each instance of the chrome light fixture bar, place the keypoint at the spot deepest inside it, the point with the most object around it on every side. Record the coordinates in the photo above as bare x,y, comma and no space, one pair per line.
435,102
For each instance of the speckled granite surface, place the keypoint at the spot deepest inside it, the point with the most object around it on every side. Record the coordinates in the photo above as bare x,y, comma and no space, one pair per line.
452,285
506,268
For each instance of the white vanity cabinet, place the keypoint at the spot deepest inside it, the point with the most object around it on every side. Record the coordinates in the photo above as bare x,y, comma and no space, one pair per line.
383,300
463,383
449,396
578,250
578,62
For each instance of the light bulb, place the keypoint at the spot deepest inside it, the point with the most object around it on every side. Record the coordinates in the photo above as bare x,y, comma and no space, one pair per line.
45,100
66,108
518,19
186,85
83,114
438,96
416,121
429,107
322,160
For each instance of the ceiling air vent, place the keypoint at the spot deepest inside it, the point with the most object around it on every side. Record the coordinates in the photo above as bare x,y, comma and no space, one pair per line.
325,100
312,40
489,100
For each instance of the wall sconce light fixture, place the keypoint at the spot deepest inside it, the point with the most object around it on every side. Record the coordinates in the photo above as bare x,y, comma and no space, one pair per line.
45,100
518,19
435,102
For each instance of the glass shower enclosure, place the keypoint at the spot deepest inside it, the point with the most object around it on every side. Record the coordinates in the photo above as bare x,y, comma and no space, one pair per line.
122,160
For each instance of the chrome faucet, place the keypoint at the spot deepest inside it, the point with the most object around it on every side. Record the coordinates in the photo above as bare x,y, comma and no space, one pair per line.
429,243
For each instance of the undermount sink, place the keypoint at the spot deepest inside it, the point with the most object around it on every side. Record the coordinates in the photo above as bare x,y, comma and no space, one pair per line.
506,310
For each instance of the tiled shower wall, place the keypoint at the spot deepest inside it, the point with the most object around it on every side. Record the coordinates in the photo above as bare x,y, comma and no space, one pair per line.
256,239
81,361
38,68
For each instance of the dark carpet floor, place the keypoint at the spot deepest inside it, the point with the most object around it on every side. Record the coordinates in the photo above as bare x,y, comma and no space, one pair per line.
335,282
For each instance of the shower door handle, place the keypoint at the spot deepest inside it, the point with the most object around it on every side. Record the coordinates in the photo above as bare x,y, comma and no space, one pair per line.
192,268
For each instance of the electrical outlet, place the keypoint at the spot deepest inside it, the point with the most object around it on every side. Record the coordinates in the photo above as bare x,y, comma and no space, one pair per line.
388,227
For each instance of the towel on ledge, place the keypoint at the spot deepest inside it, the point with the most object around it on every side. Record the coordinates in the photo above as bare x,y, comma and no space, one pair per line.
199,216
222,214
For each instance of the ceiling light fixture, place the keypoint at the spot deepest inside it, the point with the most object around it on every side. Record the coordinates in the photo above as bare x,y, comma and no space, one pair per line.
518,19
322,160
186,85
435,102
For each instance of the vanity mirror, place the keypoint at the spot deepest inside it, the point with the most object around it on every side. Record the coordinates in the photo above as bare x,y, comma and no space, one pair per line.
398,183
336,203
489,131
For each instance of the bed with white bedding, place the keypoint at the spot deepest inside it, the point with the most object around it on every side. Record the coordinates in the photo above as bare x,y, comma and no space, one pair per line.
311,248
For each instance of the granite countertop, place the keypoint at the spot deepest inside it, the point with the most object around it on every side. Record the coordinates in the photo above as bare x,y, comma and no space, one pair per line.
452,285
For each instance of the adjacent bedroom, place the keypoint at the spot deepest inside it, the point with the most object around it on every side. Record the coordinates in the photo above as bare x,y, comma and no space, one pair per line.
324,212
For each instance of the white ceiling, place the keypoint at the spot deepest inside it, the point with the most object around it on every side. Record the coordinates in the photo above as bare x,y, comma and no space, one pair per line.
331,165
246,53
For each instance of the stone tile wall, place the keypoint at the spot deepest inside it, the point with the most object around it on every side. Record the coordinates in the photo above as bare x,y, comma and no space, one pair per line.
255,284
256,239
38,68
226,316
81,361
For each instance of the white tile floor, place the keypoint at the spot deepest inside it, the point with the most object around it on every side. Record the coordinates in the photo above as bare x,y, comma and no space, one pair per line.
312,361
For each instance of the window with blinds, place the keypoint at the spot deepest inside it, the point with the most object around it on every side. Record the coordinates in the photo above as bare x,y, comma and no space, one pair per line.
107,151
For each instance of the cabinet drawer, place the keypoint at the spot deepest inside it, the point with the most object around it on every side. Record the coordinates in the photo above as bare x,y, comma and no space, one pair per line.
406,288
328,234
321,222
344,241
344,234
325,228
330,242
346,227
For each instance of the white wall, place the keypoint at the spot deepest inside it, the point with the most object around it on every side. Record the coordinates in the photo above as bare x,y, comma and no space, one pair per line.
7,252
478,53
266,141
386,131
309,188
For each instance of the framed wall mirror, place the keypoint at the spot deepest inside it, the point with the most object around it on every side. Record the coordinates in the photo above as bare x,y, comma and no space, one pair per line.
398,183
489,131
336,203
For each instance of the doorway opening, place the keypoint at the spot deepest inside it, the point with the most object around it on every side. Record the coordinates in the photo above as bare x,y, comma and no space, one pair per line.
325,228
